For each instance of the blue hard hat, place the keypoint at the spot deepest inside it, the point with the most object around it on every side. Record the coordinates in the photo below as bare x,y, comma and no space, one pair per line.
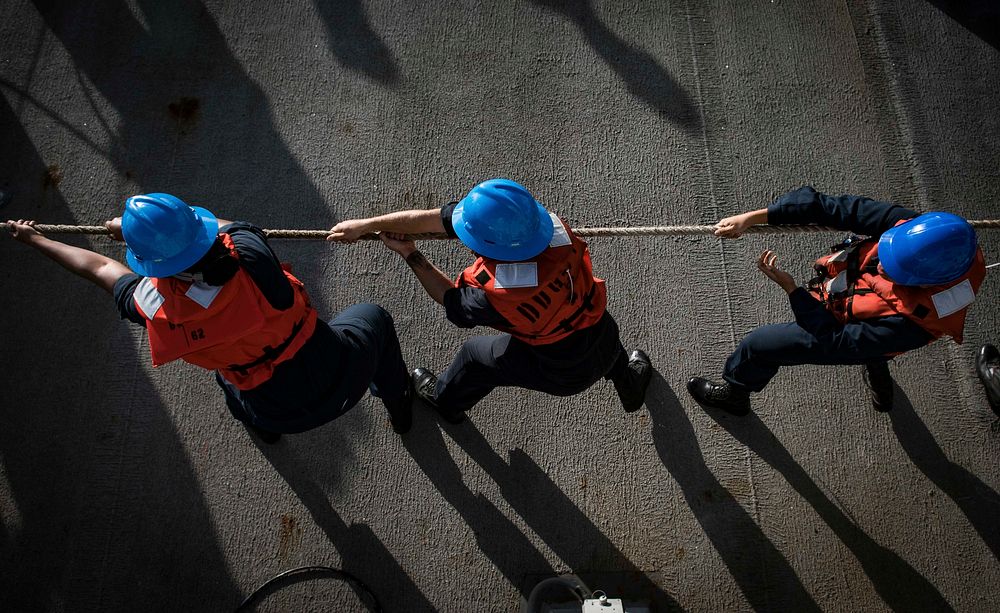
164,235
501,220
930,249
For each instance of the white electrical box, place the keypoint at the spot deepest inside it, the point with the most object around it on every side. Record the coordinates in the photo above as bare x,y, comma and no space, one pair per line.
599,605
603,605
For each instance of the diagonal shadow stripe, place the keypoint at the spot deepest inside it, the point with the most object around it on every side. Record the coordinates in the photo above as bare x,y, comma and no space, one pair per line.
898,583
362,553
111,511
642,75
498,538
978,502
558,521
761,571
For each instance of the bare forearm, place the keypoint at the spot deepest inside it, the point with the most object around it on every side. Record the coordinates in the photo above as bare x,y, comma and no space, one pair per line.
399,223
96,268
735,226
407,222
756,217
429,276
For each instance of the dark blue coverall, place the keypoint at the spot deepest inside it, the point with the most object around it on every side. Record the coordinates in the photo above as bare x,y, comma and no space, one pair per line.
563,368
816,336
357,351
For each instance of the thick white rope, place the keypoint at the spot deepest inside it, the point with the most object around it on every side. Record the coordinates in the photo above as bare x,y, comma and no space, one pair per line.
980,224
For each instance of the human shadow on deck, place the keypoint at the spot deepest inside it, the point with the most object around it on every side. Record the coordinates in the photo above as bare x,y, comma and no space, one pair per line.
761,571
979,503
187,114
556,519
981,17
897,583
353,41
641,73
361,552
498,538
109,510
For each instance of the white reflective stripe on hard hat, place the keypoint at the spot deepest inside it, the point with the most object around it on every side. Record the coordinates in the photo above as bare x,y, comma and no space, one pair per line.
837,284
953,299
560,238
148,298
516,274
203,293
840,256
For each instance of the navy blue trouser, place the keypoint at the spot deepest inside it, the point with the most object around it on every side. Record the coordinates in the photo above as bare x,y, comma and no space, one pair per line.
562,369
357,351
816,337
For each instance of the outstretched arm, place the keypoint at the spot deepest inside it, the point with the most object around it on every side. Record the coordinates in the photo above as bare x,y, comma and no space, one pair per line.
807,206
735,226
400,222
853,213
429,276
96,268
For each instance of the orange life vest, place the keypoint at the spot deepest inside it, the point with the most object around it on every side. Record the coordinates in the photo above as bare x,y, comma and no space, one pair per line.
231,328
547,298
851,287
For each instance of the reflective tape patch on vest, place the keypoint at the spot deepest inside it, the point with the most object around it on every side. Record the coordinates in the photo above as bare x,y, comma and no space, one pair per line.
203,293
953,299
837,284
516,274
148,298
840,256
560,237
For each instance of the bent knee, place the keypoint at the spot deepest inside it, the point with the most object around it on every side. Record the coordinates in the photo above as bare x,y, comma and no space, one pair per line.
374,311
778,341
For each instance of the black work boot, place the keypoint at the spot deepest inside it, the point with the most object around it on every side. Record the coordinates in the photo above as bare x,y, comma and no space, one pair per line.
988,369
425,383
879,383
401,409
711,395
264,436
631,386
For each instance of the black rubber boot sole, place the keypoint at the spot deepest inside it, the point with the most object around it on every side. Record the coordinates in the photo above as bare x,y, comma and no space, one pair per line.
738,403
988,369
422,379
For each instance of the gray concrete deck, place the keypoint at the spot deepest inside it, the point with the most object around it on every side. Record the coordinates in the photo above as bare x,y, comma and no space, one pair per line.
128,489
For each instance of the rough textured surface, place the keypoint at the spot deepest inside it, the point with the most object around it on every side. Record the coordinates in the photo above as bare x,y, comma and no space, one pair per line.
128,489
